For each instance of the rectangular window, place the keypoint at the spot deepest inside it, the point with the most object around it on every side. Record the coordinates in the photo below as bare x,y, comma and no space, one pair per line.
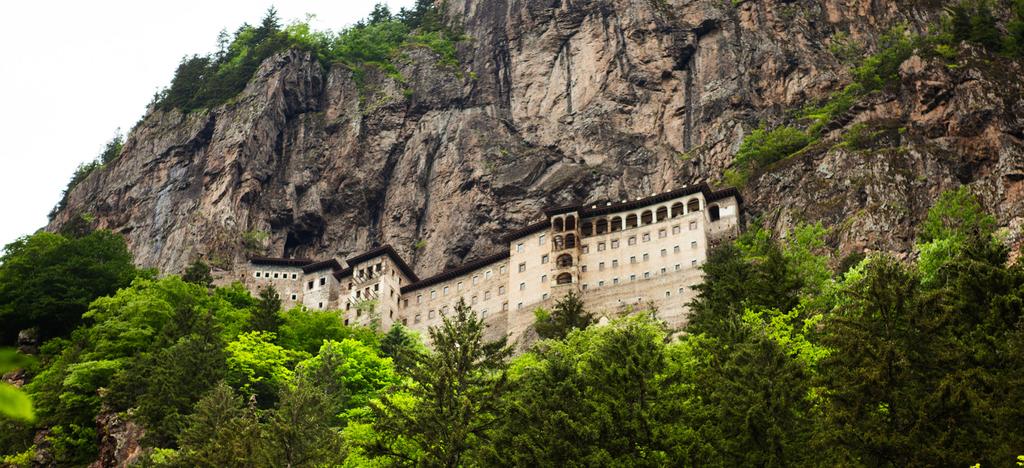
615,280
544,297
323,281
600,246
600,284
458,286
487,295
473,300
646,257
294,297
444,291
693,245
663,270
502,269
522,286
584,286
501,290
647,236
662,233
541,239
275,275
693,262
677,267
522,267
430,314
632,259
600,266
433,294
504,306
675,249
519,306
632,277
321,305
543,259
632,240
680,290
519,247
647,275
257,274
693,225
309,285
615,263
476,279
583,268
615,244
664,252
487,275
417,319
543,279
585,249
676,229
668,293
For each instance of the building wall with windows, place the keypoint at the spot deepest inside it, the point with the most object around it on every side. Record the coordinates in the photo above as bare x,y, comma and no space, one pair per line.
619,256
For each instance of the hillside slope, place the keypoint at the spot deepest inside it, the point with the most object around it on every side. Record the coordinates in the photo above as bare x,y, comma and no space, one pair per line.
555,102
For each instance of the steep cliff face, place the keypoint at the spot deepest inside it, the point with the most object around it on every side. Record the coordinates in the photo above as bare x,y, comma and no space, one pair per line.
554,102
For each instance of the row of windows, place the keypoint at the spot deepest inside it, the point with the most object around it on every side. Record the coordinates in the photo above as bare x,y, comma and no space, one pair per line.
445,290
275,275
645,257
646,275
444,310
645,237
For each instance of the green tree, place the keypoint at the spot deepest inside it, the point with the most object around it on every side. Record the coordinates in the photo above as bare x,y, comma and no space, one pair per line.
299,431
307,330
349,372
222,432
455,392
198,273
259,368
568,314
402,346
47,280
267,314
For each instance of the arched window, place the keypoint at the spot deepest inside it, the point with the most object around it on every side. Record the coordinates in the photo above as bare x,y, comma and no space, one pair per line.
630,221
564,278
616,224
587,228
601,226
678,209
646,218
662,213
570,223
693,205
564,261
557,225
557,241
713,213
570,241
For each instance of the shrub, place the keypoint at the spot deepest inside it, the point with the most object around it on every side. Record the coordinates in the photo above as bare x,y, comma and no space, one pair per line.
763,147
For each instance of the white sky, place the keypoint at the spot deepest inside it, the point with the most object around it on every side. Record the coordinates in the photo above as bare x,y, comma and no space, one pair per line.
73,71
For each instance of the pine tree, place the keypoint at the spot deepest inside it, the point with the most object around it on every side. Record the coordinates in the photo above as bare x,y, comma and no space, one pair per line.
198,273
568,315
401,346
456,394
267,314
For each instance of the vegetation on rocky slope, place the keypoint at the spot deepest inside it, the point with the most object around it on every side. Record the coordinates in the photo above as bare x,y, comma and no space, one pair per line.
784,362
971,21
207,81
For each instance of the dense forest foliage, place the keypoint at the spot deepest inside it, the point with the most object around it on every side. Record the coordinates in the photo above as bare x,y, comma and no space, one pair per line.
785,361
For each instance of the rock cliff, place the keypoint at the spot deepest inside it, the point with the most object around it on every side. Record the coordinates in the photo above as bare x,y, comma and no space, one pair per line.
555,102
